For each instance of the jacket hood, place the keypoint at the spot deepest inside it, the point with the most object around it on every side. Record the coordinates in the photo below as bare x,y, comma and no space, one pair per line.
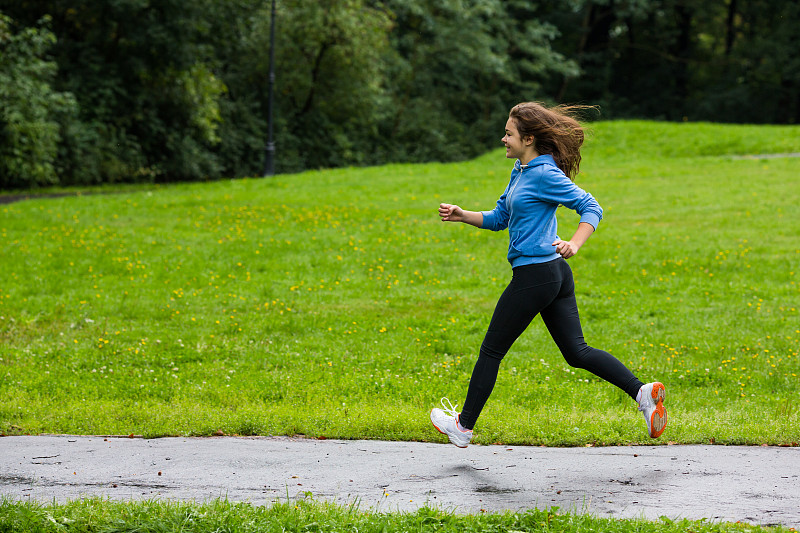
541,160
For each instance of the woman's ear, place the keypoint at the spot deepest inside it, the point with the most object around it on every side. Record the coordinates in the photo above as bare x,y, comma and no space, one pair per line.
529,140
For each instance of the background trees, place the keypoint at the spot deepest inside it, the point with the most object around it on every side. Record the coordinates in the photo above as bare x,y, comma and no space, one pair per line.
721,60
29,132
109,90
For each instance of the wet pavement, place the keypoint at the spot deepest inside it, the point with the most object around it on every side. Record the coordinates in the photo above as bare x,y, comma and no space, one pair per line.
759,485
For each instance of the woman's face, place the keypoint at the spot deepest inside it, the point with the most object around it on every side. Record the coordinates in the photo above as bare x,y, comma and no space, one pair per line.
516,147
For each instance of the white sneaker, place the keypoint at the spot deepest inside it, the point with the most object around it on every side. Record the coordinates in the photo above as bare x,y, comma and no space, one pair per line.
651,404
446,421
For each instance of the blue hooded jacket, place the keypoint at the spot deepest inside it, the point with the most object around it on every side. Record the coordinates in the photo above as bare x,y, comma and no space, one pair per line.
528,209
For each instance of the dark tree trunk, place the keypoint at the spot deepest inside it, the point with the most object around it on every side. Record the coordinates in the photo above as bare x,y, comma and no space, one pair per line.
730,28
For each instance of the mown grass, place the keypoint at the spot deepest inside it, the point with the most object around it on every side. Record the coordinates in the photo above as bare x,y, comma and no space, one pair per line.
311,516
334,303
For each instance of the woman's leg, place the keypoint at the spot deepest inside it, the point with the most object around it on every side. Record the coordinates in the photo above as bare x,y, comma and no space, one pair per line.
564,324
532,288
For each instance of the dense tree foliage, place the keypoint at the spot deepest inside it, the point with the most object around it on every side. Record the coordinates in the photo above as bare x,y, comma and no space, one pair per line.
29,133
99,91
720,60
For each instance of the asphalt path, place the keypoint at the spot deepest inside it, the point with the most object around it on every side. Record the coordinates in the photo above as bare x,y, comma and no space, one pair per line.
758,485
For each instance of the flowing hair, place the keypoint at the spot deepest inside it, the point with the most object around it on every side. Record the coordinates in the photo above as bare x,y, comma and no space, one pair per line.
555,131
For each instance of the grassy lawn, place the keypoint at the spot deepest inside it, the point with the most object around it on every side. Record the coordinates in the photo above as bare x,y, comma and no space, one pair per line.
334,303
304,516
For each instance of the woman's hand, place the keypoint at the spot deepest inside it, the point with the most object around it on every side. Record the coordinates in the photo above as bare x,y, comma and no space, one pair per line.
451,213
566,249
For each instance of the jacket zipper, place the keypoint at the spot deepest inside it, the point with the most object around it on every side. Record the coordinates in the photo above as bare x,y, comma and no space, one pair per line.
511,192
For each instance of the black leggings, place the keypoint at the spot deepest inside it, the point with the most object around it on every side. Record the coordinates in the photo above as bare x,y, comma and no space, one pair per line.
547,289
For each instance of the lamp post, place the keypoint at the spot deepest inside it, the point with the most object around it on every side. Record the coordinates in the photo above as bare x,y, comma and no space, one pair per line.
269,159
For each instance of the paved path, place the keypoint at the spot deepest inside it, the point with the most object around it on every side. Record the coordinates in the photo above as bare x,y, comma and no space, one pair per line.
759,485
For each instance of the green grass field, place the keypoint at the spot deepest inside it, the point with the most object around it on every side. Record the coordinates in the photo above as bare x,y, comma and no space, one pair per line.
335,303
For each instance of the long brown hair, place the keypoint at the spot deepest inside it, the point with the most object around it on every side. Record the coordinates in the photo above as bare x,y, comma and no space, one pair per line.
555,131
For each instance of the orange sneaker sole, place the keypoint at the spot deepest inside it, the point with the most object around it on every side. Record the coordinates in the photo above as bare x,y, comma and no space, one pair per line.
658,420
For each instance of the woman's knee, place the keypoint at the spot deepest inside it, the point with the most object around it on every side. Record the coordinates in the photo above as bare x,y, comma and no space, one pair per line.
576,356
488,349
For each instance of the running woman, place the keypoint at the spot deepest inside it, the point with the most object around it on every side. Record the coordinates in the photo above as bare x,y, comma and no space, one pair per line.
545,142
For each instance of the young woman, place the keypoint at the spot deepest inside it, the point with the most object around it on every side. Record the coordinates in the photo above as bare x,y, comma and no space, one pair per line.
546,144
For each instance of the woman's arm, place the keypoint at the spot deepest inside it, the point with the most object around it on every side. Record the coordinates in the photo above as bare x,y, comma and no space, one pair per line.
556,188
567,249
453,213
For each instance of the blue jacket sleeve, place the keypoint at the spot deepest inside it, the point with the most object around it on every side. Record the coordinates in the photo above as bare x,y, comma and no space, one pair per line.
558,189
497,218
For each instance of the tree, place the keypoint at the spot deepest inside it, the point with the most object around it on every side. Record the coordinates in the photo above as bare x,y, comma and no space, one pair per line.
148,103
683,59
755,75
455,69
330,68
29,136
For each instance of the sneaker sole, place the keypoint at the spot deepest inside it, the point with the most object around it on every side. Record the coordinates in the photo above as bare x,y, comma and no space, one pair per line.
658,420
